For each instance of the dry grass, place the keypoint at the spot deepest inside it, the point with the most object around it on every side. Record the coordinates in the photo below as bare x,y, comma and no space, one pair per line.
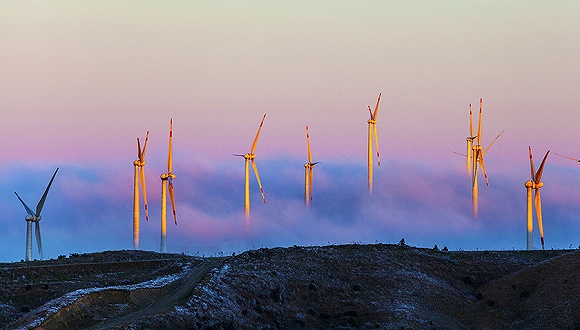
345,287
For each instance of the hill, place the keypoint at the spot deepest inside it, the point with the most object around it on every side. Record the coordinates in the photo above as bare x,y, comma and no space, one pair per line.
333,287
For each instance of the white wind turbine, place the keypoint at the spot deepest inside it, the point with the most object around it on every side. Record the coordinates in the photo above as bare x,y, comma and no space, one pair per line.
34,217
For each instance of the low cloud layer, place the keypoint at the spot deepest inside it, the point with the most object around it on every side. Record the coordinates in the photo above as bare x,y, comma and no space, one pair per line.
90,208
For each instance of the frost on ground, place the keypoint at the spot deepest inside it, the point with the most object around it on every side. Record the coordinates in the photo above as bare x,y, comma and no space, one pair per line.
54,306
350,286
370,286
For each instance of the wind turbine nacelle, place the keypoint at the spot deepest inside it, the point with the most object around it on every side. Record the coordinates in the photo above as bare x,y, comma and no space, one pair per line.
249,156
167,176
372,121
529,184
139,163
33,218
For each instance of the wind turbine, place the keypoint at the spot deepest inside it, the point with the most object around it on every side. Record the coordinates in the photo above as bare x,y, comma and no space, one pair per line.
139,173
167,185
308,167
35,217
247,157
470,140
535,183
372,131
478,154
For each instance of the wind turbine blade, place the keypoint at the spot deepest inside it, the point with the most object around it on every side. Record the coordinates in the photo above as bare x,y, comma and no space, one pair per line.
139,153
172,196
38,238
377,108
28,210
470,121
170,153
308,142
479,122
574,159
483,169
41,202
258,178
457,153
538,202
142,175
532,167
145,144
257,135
492,142
370,112
541,168
377,143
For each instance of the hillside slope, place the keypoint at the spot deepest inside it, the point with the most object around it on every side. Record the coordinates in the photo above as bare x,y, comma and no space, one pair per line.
360,286
340,287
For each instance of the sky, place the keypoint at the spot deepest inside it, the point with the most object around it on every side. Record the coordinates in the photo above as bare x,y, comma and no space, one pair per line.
80,81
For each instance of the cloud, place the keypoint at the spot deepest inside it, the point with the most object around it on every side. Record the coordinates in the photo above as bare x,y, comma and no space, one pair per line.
90,208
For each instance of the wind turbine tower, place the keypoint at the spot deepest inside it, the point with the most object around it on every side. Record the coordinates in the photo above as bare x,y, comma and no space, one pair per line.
372,132
139,174
167,185
250,156
35,217
535,183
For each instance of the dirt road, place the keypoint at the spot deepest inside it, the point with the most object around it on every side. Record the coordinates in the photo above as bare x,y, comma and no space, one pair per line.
177,296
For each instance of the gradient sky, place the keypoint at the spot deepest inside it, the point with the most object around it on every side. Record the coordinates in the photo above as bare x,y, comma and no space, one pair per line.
79,81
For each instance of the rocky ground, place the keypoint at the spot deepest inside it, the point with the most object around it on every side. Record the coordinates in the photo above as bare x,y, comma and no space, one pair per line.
334,287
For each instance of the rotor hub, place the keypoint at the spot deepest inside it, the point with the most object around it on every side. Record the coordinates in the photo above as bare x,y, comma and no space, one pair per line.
249,156
372,121
139,163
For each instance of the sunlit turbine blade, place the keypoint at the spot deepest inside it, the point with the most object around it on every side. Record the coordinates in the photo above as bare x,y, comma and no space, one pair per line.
41,202
470,120
492,142
28,210
38,238
172,197
532,167
308,142
377,108
258,178
483,169
257,135
139,153
479,123
541,168
142,175
145,144
370,112
457,153
538,202
377,143
170,153
574,159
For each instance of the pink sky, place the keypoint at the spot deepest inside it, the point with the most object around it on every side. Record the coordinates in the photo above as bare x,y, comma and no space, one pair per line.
79,81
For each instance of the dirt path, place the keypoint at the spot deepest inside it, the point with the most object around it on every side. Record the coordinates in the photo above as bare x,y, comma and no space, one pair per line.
178,296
